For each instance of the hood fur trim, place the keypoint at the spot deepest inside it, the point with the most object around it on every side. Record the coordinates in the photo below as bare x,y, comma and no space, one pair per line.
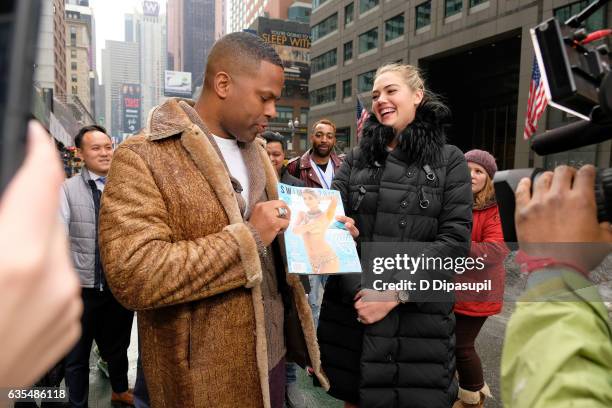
421,142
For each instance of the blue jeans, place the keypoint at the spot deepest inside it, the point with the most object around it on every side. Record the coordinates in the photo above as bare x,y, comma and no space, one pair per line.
291,373
317,285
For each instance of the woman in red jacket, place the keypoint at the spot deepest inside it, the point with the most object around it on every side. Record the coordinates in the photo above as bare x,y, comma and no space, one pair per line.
472,309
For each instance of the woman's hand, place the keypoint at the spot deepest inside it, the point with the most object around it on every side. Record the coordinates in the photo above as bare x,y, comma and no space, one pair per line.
349,224
372,306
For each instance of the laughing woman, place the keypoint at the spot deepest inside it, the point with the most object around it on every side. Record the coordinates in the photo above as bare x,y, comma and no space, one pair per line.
403,183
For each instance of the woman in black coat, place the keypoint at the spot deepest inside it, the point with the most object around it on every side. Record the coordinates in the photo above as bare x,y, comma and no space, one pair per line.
403,183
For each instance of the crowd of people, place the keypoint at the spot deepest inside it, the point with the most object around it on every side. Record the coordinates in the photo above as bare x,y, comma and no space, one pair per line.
182,224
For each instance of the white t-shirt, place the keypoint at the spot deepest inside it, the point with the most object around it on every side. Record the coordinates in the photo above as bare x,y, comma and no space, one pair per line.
235,163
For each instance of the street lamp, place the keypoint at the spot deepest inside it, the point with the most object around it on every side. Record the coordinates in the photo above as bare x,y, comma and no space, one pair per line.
292,125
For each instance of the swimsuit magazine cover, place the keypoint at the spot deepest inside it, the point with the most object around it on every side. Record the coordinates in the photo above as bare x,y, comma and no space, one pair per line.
315,243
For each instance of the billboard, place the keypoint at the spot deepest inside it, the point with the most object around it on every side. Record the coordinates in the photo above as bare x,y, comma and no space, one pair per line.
177,83
131,106
150,8
291,40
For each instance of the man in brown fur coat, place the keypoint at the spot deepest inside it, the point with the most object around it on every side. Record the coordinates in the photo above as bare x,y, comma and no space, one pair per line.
188,231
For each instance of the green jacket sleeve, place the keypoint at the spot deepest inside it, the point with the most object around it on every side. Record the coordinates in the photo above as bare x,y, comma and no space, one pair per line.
558,347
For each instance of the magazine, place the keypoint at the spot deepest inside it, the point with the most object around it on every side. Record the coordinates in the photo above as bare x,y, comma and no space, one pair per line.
315,243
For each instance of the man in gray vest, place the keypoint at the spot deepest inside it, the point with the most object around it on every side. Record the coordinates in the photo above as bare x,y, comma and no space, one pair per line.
104,319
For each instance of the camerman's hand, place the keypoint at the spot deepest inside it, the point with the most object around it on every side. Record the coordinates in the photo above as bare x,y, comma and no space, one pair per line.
562,209
269,219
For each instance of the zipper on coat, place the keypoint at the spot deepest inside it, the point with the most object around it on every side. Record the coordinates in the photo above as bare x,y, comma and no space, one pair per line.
362,193
423,201
431,176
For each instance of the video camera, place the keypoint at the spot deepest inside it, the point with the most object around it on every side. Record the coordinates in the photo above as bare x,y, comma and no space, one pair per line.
577,80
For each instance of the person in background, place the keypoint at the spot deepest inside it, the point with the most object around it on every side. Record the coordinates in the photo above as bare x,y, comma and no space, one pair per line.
472,309
318,165
104,319
276,147
40,305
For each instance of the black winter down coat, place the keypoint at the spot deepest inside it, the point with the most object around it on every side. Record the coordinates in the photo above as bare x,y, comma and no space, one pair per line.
408,358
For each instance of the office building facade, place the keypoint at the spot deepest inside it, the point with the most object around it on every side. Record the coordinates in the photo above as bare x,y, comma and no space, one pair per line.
476,53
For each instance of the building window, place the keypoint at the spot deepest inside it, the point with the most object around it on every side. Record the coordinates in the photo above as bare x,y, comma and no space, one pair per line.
597,21
343,136
330,24
73,77
284,114
324,61
365,5
75,89
318,3
452,7
73,53
301,14
303,116
348,51
394,27
349,14
73,66
323,95
474,3
423,15
347,88
365,81
368,40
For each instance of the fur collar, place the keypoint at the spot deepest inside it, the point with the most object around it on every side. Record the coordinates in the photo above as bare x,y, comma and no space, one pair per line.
421,142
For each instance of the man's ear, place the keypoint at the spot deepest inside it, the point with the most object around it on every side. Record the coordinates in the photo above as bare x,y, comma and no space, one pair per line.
222,84
79,153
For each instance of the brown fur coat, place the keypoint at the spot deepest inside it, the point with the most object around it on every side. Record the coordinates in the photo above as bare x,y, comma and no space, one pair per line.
176,249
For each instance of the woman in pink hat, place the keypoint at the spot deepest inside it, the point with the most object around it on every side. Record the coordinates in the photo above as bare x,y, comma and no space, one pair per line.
471,308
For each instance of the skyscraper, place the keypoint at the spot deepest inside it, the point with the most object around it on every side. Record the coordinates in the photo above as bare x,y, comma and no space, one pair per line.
81,52
119,67
193,27
50,71
243,13
147,28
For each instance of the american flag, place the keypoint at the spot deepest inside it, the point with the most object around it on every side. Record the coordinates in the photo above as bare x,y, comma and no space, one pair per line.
362,116
536,104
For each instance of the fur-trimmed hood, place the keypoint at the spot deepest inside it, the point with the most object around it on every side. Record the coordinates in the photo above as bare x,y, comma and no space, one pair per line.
421,142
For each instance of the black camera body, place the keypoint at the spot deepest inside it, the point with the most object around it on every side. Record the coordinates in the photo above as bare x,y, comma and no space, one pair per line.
577,80
572,72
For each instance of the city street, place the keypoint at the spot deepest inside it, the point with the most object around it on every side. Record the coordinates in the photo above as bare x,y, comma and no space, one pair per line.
489,345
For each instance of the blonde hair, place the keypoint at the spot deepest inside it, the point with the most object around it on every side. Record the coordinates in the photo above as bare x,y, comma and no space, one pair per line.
410,74
486,195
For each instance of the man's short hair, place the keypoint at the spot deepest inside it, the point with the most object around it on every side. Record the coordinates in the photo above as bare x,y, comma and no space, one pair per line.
239,52
78,139
275,137
324,122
